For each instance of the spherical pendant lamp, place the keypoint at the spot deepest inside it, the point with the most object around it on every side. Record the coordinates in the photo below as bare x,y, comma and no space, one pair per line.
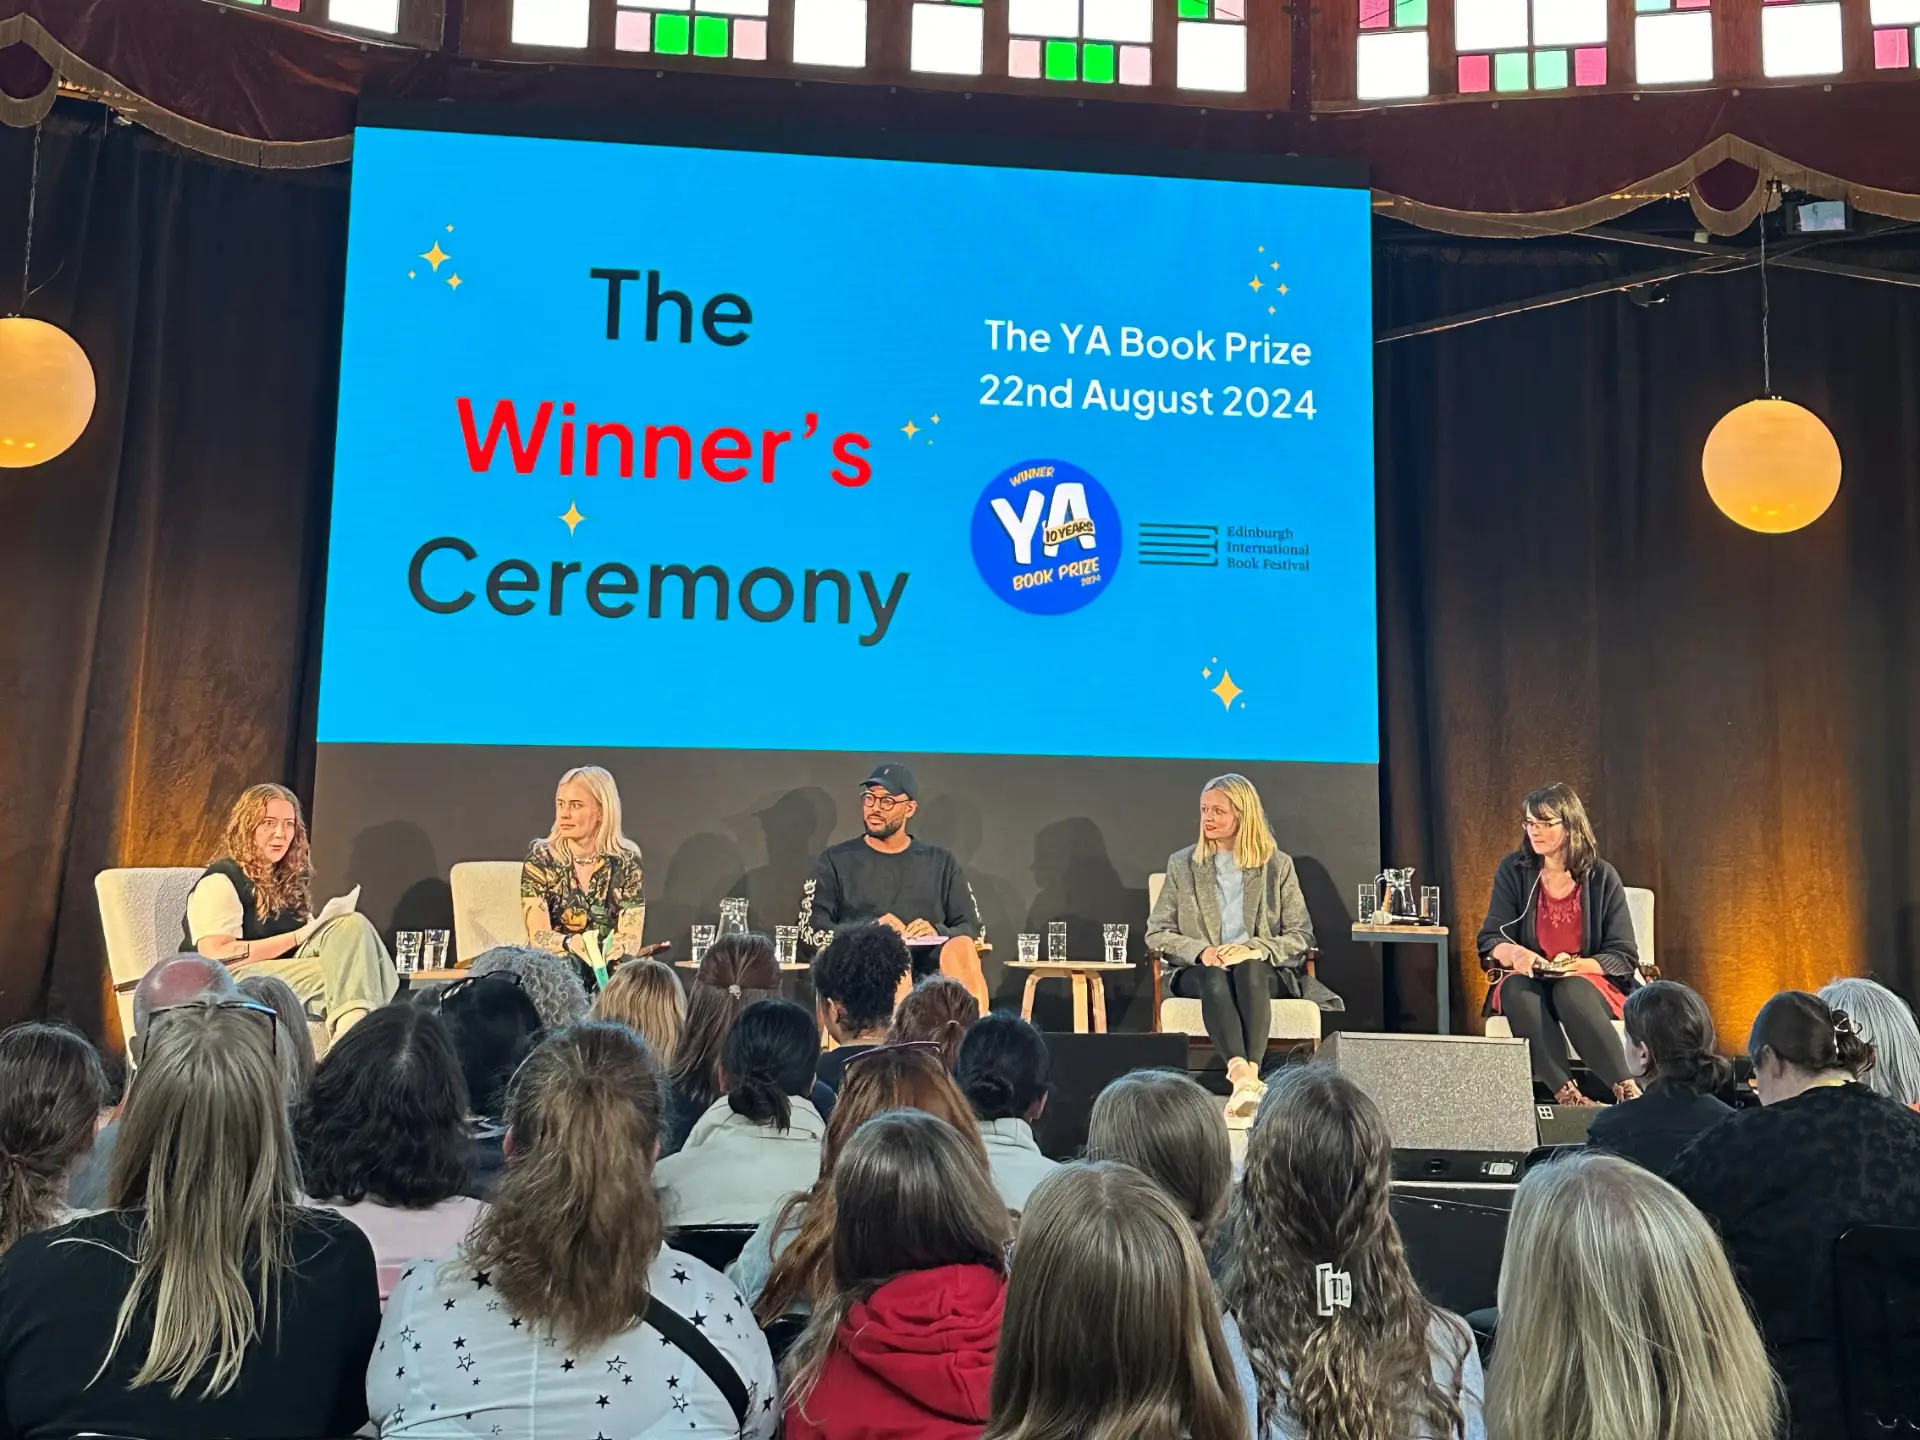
46,391
1771,466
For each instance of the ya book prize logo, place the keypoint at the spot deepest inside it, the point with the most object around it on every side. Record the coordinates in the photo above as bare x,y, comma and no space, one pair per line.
1046,537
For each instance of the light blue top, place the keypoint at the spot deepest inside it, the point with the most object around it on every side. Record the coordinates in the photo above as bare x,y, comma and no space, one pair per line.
1233,898
1445,1336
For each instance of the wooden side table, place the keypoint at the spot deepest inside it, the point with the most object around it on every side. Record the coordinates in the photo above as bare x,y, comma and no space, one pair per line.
423,979
1434,935
1088,978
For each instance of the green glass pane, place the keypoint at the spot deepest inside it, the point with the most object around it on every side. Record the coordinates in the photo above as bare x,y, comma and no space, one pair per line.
1510,71
710,35
1409,13
670,34
1062,62
1097,66
1193,9
1550,70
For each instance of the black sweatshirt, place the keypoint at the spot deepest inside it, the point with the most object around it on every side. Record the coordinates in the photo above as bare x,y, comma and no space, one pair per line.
852,882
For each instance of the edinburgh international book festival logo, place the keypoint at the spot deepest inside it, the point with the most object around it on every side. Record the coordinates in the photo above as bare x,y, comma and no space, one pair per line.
1046,537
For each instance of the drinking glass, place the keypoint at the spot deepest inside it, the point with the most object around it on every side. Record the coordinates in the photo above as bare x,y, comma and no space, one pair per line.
786,944
1429,904
1115,939
433,949
1364,907
1057,940
406,951
733,915
703,938
1029,949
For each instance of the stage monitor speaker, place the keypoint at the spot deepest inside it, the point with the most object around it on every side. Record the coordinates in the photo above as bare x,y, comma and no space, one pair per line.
1083,1066
1459,1107
1565,1124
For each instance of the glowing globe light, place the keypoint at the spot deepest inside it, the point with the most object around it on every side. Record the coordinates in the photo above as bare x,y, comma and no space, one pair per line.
1771,466
46,391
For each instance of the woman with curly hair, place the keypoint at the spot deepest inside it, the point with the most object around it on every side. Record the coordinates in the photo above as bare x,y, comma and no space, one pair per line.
253,911
382,1137
1330,1333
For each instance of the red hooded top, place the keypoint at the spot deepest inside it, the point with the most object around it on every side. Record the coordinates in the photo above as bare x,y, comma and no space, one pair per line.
914,1360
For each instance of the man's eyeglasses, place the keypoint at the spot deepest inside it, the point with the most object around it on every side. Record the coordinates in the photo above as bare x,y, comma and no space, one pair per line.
251,1006
874,800
896,1047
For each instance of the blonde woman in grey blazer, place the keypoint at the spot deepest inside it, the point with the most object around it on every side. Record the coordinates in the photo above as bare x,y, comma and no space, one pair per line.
1232,923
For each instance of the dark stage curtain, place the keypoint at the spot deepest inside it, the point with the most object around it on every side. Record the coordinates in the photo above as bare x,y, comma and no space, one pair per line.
159,582
1559,599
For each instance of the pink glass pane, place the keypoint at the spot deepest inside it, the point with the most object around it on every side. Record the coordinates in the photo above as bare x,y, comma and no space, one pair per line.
632,30
1590,65
1890,49
749,39
1230,9
1692,4
1136,65
1476,74
1375,14
286,4
1023,59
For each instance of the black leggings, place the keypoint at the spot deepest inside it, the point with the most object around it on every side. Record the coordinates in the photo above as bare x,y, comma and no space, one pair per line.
1539,1010
1236,1002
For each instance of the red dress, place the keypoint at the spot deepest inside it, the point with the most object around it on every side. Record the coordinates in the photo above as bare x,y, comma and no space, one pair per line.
1559,928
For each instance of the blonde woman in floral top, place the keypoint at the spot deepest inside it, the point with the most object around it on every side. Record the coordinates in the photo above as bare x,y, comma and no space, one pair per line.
584,877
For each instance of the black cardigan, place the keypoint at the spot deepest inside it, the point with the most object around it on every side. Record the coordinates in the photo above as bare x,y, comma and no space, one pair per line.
1603,911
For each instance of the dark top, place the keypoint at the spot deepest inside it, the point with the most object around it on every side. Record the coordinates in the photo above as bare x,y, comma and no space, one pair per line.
1653,1130
254,926
852,882
1782,1183
831,1070
305,1376
1606,922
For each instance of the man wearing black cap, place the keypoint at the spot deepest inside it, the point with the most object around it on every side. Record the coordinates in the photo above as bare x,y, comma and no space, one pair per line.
906,884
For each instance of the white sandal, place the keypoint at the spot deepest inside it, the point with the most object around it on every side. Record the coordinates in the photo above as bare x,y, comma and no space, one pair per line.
1244,1103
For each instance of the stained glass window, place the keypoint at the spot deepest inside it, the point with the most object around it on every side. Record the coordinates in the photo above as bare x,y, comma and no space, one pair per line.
830,32
714,29
1800,37
1211,45
381,15
948,39
559,23
1391,62
1102,42
1896,33
1672,41
1512,45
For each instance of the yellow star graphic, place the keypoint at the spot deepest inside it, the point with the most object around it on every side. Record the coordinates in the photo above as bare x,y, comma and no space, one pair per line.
1273,265
434,256
1227,690
411,274
1270,309
936,419
453,282
1261,248
1255,282
1283,289
909,429
573,517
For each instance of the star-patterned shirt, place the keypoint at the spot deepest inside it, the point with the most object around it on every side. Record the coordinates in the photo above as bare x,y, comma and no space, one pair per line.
453,1363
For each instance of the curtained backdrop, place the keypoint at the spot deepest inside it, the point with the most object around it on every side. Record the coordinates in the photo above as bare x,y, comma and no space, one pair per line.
1558,597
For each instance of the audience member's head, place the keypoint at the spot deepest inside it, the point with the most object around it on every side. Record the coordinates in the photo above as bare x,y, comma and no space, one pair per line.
295,1040
386,1115
1619,1315
910,1194
574,1221
857,980
185,977
206,1156
646,997
938,1009
1111,1327
1314,1193
738,969
493,1025
878,1080
768,1059
1003,1069
551,981
1670,1039
51,1091
1798,1041
1170,1129
1886,1023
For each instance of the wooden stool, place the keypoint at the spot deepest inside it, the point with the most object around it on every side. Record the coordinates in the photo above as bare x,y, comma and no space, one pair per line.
1088,978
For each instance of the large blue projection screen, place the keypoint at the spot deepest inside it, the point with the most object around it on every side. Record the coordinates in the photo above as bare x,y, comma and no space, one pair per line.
907,457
